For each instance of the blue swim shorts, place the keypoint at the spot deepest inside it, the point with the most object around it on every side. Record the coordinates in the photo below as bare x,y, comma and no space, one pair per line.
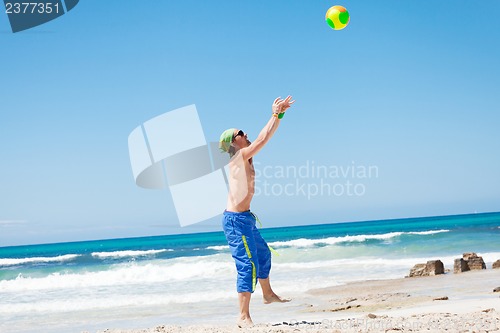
249,250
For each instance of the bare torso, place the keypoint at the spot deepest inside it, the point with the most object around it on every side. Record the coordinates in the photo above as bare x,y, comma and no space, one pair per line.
241,184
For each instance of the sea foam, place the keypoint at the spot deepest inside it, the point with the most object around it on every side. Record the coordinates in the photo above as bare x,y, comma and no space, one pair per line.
129,253
164,271
305,242
19,261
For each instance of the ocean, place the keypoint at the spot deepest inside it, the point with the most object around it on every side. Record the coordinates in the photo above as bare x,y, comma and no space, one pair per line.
181,279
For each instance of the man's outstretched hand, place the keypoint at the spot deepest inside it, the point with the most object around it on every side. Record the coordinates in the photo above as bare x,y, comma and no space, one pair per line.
281,105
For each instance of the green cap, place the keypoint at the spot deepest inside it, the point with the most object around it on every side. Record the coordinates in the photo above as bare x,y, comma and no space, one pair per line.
225,139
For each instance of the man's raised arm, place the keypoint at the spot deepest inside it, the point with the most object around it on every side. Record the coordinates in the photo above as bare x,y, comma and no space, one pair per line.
279,107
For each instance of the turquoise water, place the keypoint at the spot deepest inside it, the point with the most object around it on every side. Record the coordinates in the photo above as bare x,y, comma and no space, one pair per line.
149,277
477,232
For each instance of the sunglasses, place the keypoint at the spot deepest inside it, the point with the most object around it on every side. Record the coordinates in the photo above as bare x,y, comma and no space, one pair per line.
240,132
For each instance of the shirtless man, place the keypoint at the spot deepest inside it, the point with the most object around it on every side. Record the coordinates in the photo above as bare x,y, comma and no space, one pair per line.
249,250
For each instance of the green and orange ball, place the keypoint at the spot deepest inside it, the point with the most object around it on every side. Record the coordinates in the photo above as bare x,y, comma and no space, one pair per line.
337,17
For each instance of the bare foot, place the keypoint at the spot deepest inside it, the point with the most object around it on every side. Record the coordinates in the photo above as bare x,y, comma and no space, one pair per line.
273,298
245,322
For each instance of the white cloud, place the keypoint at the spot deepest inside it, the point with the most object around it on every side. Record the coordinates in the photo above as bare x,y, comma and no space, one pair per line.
10,223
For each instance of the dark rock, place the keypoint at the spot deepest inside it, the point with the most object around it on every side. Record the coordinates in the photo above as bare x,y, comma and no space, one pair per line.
432,267
474,261
435,267
496,264
460,266
468,255
496,290
470,261
417,270
445,298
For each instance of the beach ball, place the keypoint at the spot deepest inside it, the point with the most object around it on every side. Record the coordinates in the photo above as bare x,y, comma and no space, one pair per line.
337,17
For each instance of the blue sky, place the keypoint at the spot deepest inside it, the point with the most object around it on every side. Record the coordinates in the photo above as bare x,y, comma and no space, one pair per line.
409,87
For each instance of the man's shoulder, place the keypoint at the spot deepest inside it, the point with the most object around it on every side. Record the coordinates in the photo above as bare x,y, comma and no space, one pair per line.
238,159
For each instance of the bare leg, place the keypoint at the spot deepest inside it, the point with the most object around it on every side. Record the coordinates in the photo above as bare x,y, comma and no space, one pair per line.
268,293
244,320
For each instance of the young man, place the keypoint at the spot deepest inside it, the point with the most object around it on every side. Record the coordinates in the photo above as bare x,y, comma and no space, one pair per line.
249,250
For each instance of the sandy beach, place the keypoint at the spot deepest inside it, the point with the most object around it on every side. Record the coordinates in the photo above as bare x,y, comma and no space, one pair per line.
464,302
341,278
